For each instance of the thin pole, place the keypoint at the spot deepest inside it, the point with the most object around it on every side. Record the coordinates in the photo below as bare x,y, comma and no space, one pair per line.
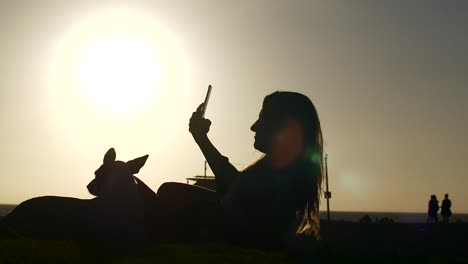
205,169
327,193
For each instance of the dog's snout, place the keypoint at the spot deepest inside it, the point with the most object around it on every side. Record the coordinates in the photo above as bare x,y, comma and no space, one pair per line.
93,188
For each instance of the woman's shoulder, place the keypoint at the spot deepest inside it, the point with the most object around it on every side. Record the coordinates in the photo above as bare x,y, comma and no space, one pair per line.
258,165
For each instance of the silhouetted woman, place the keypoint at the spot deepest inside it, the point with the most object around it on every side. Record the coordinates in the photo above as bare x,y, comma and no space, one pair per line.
276,198
433,208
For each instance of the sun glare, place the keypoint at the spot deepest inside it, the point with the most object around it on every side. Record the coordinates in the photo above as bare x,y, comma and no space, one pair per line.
119,73
116,76
117,64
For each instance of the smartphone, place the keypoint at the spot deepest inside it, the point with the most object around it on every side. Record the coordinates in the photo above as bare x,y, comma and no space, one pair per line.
207,98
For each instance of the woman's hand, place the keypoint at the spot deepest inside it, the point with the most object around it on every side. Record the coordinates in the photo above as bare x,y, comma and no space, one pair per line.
199,126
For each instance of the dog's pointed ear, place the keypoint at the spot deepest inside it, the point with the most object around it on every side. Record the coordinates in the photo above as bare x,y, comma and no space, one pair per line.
136,164
110,156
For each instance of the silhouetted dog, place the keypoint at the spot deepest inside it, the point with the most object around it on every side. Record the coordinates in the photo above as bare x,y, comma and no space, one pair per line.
117,212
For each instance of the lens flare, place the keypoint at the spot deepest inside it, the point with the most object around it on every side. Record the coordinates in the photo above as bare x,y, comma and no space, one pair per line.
314,155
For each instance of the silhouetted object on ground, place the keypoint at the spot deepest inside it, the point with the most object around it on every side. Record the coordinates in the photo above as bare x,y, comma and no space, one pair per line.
445,208
204,181
207,182
366,219
384,220
433,208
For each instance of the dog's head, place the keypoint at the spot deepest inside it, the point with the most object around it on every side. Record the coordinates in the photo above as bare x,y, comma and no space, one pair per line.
114,172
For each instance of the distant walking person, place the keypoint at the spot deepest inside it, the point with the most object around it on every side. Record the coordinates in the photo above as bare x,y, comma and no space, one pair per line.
432,210
446,212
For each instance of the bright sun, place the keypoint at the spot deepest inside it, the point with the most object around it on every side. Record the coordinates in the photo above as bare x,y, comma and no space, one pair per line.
119,72
117,77
117,64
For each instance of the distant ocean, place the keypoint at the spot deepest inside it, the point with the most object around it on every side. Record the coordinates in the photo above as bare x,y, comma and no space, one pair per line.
397,217
337,215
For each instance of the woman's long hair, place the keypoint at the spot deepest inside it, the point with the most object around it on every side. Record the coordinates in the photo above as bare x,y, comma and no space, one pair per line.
308,179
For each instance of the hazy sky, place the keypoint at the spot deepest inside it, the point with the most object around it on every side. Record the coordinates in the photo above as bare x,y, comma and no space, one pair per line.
389,80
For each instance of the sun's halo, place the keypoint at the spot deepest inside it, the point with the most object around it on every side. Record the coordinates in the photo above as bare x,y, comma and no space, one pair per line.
115,73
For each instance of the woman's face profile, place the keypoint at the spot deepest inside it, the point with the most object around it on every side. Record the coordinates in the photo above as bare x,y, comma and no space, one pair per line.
259,138
263,131
266,127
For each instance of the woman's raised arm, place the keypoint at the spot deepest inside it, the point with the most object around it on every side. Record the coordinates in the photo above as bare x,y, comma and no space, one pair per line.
223,170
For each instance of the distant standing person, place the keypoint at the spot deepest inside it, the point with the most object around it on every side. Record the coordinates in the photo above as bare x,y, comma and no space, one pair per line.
433,209
446,212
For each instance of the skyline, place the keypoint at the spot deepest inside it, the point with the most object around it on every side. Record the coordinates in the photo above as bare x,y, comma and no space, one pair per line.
388,80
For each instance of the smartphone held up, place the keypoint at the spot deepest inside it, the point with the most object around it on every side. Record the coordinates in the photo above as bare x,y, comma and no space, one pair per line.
207,98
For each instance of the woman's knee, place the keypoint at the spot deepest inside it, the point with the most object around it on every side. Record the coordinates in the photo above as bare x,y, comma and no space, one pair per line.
170,188
182,190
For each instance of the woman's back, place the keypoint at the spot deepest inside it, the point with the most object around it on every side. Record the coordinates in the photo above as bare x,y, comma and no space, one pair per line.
261,205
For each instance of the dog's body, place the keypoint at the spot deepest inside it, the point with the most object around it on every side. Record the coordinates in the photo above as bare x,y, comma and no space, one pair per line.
49,217
118,211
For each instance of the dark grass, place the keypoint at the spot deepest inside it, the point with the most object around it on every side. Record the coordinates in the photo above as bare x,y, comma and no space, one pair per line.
25,250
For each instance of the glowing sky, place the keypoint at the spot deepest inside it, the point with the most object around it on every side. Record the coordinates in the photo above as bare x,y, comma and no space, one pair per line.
389,80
